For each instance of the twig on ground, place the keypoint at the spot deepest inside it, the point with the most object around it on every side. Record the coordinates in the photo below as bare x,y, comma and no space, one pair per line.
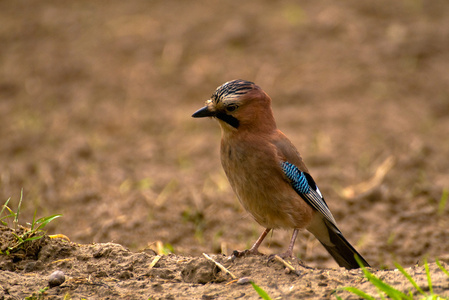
286,264
219,265
155,260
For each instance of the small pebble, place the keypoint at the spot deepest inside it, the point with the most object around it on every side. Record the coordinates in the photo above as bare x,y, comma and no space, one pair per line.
56,278
244,280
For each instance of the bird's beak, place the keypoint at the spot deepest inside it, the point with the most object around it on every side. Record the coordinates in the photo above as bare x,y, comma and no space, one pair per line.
204,112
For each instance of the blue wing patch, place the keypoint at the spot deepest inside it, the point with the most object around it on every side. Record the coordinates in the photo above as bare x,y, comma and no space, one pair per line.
305,186
299,180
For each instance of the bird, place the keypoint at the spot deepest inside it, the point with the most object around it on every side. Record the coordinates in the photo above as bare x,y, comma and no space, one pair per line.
267,173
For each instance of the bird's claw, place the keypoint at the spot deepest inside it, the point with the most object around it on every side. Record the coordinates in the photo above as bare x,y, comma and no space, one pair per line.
235,254
270,259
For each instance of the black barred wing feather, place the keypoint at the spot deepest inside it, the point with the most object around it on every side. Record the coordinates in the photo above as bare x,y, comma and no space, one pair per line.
305,186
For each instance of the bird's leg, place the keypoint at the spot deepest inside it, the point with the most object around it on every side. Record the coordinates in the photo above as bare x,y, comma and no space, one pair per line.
289,252
254,249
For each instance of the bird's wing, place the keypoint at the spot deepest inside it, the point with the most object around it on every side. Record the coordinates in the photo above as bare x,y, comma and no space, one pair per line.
296,171
305,186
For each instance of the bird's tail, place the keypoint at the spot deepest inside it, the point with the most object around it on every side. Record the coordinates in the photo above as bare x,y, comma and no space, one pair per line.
340,249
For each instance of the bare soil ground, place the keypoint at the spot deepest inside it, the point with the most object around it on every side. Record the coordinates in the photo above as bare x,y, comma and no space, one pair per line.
110,271
95,105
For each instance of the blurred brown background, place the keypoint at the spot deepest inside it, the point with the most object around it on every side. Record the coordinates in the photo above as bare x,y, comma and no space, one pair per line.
96,99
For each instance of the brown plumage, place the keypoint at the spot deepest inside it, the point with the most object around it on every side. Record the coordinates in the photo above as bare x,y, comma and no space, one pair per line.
267,173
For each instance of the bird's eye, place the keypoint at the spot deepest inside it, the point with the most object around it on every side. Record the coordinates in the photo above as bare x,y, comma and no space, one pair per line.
231,107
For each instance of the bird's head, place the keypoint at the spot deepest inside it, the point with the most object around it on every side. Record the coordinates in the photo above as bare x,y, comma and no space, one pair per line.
239,105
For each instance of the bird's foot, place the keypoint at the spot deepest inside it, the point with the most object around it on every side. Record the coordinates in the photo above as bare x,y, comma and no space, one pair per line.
244,253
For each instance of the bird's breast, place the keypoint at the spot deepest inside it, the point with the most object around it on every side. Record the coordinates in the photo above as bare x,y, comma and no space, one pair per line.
254,172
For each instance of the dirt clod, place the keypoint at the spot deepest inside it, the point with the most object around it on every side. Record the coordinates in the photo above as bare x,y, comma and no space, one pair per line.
198,272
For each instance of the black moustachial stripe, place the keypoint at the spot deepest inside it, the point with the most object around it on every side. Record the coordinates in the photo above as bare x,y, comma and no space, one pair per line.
228,119
235,87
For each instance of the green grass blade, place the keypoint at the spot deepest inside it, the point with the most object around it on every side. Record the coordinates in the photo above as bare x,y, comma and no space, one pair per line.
388,289
359,293
441,267
16,218
381,285
12,213
6,217
33,238
4,206
45,220
34,221
443,201
407,275
429,279
260,291
18,238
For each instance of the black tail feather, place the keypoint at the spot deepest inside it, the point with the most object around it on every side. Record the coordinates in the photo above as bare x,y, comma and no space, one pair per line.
342,251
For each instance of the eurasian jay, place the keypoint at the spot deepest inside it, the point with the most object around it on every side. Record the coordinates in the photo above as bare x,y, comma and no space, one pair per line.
267,172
